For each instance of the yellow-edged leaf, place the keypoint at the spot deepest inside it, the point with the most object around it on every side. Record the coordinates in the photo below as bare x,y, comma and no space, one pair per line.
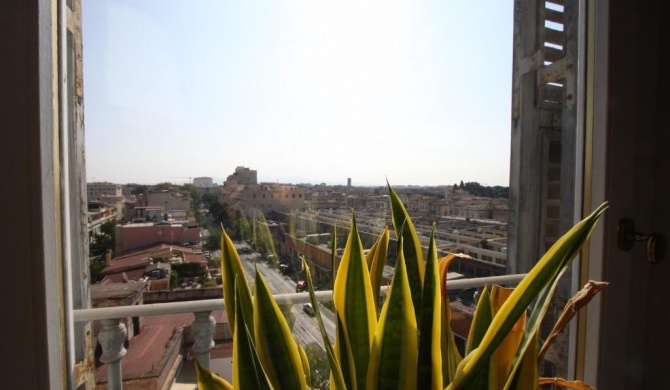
354,304
207,380
336,378
394,356
344,356
527,374
502,357
248,372
480,321
404,227
376,260
305,365
275,345
539,283
429,371
451,357
333,257
231,268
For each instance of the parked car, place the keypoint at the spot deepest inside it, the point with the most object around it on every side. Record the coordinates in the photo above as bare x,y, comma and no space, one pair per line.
308,309
285,268
300,286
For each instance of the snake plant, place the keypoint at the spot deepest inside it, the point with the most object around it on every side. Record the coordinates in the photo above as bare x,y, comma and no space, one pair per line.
406,342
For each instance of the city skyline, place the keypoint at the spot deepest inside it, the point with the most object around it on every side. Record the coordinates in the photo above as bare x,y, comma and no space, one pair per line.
418,94
219,181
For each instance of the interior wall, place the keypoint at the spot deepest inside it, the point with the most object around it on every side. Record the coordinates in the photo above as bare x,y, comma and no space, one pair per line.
657,343
631,357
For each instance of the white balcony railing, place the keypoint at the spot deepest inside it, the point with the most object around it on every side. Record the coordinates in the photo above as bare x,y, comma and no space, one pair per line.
113,332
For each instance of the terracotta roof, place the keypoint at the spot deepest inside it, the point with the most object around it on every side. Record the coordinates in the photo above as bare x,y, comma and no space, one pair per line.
131,275
146,354
141,258
194,258
115,290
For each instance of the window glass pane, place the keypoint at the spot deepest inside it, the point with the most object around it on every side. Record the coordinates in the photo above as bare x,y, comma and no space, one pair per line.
276,119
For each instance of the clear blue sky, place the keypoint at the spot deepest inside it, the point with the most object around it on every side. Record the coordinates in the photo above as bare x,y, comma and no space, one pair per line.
300,90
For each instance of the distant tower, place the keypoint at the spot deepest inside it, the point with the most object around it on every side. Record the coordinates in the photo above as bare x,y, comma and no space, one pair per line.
349,182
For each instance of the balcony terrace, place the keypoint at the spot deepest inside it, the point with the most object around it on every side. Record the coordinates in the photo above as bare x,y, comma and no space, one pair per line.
112,335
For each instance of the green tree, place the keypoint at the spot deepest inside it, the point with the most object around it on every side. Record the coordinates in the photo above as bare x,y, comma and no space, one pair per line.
209,283
174,279
106,239
140,189
214,262
194,193
187,269
95,267
166,185
213,240
245,228
221,214
208,199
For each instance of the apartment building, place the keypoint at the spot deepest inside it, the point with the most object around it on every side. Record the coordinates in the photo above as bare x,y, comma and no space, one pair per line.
203,182
170,201
242,175
97,189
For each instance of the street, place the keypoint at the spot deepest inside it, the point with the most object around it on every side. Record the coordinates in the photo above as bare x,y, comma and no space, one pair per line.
305,328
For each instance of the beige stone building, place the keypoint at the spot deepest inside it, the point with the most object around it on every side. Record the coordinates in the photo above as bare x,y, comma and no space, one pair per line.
242,175
170,201
265,197
98,189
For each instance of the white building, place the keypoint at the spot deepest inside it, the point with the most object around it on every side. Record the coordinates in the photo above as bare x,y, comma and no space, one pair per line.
203,182
95,190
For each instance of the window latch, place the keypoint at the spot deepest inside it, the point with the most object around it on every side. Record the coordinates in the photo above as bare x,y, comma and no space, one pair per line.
627,236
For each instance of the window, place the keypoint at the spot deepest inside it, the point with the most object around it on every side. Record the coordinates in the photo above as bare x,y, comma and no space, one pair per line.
141,15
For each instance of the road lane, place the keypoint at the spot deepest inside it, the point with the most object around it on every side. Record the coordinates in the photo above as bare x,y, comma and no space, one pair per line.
305,328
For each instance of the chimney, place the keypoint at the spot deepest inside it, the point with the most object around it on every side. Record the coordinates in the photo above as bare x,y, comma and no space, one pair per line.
108,257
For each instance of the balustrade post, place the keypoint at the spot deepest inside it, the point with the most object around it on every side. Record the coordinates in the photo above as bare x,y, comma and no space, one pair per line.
203,335
111,338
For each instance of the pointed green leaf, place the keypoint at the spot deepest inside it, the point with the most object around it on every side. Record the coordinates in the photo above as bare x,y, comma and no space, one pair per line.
337,379
231,268
539,283
275,345
354,303
404,227
248,372
503,356
305,365
533,324
451,357
376,260
541,304
480,321
430,342
333,257
207,380
344,354
394,356
527,375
